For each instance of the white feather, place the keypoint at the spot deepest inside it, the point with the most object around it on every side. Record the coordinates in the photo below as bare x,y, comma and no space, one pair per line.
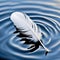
24,23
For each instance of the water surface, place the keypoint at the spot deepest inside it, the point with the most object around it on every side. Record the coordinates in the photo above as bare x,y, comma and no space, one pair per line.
45,13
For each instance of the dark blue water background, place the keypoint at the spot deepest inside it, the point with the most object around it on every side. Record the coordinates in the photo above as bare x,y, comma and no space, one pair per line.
45,13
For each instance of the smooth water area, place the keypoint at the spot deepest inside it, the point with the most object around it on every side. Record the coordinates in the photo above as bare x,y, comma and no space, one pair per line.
46,14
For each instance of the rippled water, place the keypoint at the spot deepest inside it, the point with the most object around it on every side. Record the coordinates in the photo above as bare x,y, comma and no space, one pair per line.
46,14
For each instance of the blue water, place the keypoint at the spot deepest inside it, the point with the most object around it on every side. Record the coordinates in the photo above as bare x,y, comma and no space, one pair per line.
45,13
